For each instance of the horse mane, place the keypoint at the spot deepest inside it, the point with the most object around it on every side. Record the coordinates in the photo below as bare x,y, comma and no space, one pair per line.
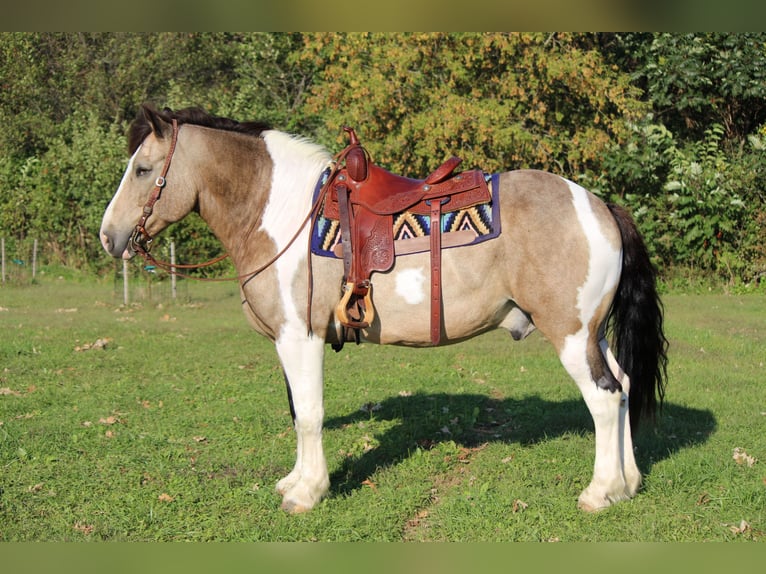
141,126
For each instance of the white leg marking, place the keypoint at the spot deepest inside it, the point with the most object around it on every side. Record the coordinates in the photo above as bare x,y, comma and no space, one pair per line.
409,285
302,359
614,450
629,466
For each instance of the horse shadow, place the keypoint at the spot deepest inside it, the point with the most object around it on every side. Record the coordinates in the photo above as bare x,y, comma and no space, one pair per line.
425,420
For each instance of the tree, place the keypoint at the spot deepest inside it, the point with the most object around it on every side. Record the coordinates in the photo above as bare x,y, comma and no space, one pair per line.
498,100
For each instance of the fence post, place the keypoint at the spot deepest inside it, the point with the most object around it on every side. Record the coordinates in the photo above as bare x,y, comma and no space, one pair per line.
34,258
125,282
173,269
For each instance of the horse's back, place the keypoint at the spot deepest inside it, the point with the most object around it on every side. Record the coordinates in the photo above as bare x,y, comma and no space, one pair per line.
538,264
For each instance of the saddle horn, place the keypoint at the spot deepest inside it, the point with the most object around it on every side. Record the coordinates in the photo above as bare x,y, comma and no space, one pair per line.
356,157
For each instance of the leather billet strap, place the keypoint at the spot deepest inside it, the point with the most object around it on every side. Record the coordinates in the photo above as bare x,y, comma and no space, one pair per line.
436,268
141,241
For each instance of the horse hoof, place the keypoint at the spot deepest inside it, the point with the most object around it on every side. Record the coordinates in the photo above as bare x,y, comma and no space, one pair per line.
588,507
293,507
590,503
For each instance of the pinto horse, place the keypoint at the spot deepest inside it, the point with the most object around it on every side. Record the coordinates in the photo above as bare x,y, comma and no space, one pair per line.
566,264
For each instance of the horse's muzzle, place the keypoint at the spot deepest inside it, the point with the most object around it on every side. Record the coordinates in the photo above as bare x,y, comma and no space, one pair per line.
116,246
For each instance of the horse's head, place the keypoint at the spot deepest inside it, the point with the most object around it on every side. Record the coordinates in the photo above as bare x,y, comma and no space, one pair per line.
154,191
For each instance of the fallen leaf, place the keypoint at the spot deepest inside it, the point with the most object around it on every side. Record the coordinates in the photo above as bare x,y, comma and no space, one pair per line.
743,527
704,498
741,457
519,505
7,391
98,344
36,488
164,497
84,528
110,420
368,482
200,439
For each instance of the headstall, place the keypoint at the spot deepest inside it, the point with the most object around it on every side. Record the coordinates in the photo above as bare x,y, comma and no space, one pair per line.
140,240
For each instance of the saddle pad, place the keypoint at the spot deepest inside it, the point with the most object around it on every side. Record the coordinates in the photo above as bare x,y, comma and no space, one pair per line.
463,227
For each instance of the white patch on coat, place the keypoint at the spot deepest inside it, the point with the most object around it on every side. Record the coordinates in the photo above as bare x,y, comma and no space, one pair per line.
409,285
604,264
297,164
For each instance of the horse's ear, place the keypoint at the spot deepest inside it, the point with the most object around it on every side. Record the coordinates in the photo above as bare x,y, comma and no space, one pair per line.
159,126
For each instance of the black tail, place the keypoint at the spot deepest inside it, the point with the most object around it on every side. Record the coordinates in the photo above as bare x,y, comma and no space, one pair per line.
636,322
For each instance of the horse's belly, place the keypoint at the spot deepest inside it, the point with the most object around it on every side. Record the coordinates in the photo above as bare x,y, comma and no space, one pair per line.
473,300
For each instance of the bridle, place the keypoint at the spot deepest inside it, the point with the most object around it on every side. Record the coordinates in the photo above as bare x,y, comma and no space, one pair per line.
140,240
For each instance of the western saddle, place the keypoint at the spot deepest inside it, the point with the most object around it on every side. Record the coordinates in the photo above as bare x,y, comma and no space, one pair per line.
364,198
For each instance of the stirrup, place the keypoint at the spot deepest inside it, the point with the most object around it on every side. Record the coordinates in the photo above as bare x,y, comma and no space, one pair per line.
368,309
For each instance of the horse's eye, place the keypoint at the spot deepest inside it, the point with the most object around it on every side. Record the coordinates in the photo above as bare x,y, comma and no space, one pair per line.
141,171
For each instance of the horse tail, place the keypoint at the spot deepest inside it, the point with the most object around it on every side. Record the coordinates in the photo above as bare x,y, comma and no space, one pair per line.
636,323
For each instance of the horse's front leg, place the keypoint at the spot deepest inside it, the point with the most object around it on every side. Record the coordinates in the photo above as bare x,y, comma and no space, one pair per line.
302,360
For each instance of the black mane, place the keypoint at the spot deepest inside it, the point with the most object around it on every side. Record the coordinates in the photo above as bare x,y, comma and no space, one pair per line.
141,127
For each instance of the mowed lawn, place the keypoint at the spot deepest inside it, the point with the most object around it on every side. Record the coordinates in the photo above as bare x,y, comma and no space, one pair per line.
168,420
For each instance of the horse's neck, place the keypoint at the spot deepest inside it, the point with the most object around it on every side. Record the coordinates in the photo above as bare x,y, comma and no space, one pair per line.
270,189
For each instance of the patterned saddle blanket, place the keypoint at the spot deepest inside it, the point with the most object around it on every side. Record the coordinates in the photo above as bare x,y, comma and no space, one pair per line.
412,230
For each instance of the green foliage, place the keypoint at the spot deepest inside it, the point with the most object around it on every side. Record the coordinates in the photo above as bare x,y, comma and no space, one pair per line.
497,100
695,202
694,80
672,125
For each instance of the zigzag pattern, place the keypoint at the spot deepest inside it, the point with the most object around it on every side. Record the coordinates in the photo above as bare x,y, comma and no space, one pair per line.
482,219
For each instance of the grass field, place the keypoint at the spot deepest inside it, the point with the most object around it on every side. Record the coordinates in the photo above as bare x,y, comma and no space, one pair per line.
166,421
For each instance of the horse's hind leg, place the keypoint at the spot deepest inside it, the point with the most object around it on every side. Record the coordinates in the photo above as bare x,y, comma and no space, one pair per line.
308,482
587,359
629,466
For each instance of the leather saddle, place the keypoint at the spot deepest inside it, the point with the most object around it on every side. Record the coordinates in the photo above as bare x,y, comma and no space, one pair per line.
364,198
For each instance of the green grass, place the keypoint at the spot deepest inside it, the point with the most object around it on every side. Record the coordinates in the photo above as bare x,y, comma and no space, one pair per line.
179,429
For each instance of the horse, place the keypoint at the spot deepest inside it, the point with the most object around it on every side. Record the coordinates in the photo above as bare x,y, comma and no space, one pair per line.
566,264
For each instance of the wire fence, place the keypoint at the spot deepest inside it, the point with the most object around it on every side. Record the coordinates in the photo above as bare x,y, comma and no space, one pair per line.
23,262
18,260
